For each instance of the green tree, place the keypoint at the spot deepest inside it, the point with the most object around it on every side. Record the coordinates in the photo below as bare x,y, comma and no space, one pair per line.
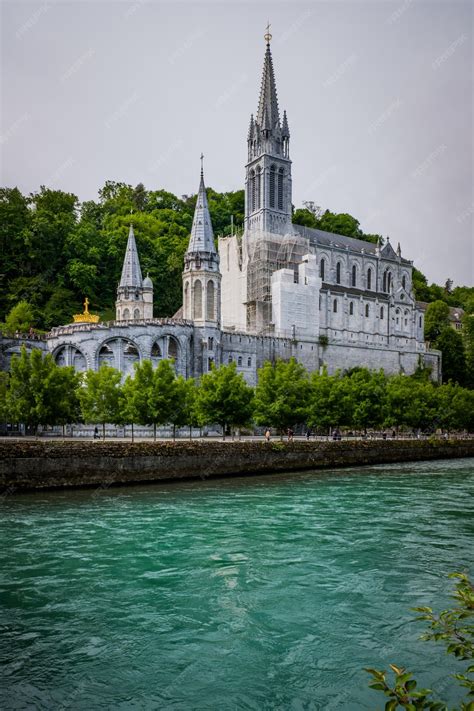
184,400
330,403
223,397
4,382
20,318
282,394
136,395
455,407
468,337
453,627
436,319
368,397
162,394
450,343
100,397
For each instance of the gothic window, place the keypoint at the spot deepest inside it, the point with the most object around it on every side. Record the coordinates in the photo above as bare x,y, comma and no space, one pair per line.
252,191
131,350
136,314
229,359
367,310
272,186
249,362
258,187
280,189
197,299
126,315
172,348
369,278
210,300
420,322
389,281
210,343
354,275
351,308
334,306
186,301
322,267
384,282
338,273
381,312
404,281
239,362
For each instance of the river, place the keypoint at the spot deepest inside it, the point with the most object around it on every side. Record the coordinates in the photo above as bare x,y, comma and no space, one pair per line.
253,593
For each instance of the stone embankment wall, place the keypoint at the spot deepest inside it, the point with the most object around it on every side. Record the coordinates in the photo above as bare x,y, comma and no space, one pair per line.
31,465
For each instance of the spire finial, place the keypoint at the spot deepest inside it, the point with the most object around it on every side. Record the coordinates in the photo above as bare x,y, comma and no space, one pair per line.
267,36
202,165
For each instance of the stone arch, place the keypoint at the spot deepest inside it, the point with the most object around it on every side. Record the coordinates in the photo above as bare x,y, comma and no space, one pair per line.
211,299
173,348
74,357
197,299
119,352
156,351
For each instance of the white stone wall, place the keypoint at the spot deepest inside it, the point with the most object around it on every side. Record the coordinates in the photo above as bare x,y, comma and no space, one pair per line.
233,285
293,304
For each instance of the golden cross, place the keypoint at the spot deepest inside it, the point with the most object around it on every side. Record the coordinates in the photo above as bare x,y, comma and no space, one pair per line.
267,35
86,305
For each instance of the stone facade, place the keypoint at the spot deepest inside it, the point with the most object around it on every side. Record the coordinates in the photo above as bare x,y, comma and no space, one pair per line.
276,291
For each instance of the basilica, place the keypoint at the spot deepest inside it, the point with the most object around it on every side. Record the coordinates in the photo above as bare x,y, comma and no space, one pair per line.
275,290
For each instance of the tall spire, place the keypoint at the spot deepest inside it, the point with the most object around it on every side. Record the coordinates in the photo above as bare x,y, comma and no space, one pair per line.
268,102
202,235
131,272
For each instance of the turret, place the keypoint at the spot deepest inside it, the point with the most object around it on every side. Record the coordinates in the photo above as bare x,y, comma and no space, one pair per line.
201,276
134,296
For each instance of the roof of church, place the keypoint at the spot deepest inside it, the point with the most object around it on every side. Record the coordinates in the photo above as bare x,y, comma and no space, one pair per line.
202,235
268,115
131,272
330,239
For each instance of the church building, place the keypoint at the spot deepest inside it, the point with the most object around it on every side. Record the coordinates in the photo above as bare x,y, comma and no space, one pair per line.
276,290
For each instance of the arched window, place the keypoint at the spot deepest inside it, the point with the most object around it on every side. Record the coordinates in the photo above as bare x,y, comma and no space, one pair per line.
197,299
354,275
420,322
351,308
252,191
136,314
258,187
280,189
186,301
272,186
239,361
367,310
334,306
338,273
249,362
156,351
229,359
210,300
369,278
172,348
126,315
210,343
389,281
381,312
404,281
322,268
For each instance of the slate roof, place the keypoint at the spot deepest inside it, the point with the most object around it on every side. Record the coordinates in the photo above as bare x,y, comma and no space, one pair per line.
131,272
330,239
202,235
268,115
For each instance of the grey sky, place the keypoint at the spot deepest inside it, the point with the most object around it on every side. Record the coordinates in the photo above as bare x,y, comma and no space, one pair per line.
379,98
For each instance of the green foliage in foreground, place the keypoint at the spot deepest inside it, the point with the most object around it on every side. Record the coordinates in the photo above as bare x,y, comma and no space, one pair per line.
455,629
37,391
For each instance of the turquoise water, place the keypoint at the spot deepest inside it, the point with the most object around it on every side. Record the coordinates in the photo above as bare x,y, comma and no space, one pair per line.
263,593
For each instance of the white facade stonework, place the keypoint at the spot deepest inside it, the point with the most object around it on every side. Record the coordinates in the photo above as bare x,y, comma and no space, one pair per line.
276,291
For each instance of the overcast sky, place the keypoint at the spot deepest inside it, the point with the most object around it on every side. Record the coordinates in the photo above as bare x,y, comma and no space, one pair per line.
379,98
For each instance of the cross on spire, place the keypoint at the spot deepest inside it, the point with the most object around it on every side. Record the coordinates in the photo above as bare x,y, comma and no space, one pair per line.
267,36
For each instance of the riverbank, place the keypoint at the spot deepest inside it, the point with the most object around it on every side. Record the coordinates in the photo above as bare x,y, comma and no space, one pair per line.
35,465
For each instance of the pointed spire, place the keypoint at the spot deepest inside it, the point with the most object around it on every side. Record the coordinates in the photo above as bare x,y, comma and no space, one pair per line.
202,235
268,101
399,250
285,131
251,132
131,272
